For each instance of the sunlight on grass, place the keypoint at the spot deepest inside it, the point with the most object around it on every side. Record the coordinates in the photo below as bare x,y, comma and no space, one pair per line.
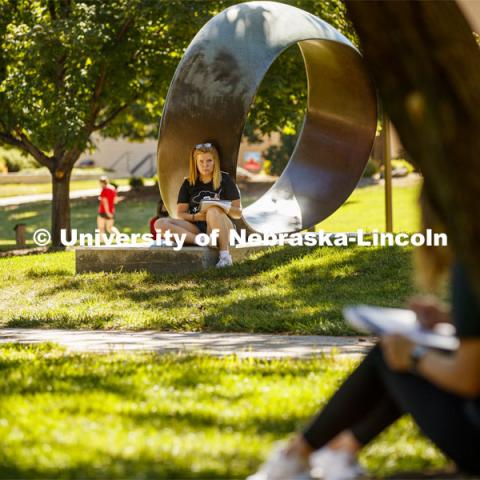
14,189
167,417
365,209
289,290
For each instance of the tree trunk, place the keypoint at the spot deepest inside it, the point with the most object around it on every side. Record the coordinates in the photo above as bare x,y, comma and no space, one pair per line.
426,65
60,205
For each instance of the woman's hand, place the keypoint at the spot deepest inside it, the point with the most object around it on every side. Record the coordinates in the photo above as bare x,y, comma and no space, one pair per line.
430,311
396,351
201,216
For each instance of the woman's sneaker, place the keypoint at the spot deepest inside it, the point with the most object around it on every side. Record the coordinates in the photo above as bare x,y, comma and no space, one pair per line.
224,261
335,464
280,466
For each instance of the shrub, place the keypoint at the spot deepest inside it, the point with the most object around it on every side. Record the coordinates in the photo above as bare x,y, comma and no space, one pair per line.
402,163
279,155
3,166
373,167
136,182
16,160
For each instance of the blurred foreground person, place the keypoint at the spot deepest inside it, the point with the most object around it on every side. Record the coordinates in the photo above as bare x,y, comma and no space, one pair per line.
441,391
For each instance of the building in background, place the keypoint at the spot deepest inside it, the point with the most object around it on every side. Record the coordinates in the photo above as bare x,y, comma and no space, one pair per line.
139,159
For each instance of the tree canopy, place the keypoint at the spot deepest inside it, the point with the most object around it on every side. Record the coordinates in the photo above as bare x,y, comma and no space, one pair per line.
71,68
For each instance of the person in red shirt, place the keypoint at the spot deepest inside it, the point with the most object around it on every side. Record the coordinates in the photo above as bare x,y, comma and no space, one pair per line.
106,208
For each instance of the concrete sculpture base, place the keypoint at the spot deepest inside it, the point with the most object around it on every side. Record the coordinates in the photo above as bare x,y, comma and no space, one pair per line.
152,259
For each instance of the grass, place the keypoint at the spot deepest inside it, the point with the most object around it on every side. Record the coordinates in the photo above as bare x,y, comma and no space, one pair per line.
289,290
284,289
141,416
132,216
364,209
14,189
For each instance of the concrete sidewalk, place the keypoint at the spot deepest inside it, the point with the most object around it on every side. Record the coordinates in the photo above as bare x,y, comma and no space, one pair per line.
43,197
242,344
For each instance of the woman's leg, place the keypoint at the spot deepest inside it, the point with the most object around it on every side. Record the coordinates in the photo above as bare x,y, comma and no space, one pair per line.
441,416
178,226
361,404
109,224
218,219
101,226
374,396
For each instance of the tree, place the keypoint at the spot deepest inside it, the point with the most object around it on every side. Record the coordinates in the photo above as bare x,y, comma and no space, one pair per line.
426,65
71,68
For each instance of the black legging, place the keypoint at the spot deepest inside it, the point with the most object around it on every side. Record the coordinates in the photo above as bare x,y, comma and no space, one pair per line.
374,396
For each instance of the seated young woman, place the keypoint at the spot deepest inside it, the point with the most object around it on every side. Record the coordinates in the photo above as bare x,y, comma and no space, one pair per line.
440,391
205,181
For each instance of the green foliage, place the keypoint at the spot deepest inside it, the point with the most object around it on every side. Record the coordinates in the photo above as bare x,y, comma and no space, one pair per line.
279,155
373,167
15,160
402,163
136,182
145,416
68,68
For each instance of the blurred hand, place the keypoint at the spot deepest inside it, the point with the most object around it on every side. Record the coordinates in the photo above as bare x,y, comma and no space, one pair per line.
396,351
430,311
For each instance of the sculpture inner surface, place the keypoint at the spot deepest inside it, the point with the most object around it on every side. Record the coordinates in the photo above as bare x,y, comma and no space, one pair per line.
215,84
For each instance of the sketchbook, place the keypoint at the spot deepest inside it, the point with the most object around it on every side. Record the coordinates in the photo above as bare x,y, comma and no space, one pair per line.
223,204
383,321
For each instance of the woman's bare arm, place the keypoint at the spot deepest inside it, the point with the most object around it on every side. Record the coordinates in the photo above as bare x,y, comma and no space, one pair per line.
235,211
458,373
183,213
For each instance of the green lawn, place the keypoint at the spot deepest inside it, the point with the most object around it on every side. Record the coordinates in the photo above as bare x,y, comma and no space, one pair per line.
290,290
364,209
142,416
284,289
14,189
132,216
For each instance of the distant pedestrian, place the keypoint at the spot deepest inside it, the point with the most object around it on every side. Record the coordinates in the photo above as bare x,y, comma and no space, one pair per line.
106,208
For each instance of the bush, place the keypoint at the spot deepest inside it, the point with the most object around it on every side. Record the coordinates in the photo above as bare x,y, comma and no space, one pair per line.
373,167
16,160
136,182
402,163
3,166
279,155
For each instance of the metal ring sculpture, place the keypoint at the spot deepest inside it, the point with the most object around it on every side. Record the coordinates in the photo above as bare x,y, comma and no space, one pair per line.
215,84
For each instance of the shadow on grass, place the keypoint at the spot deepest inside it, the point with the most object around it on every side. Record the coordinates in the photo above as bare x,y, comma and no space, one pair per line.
313,286
164,467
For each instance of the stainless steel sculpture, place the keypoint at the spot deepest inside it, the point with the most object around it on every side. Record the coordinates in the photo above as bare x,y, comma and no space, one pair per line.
215,84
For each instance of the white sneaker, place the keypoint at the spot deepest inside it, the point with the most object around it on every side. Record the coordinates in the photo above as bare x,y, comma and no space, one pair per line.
280,466
330,464
225,262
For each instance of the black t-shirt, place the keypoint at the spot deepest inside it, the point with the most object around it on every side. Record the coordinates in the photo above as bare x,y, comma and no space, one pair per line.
465,304
193,194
